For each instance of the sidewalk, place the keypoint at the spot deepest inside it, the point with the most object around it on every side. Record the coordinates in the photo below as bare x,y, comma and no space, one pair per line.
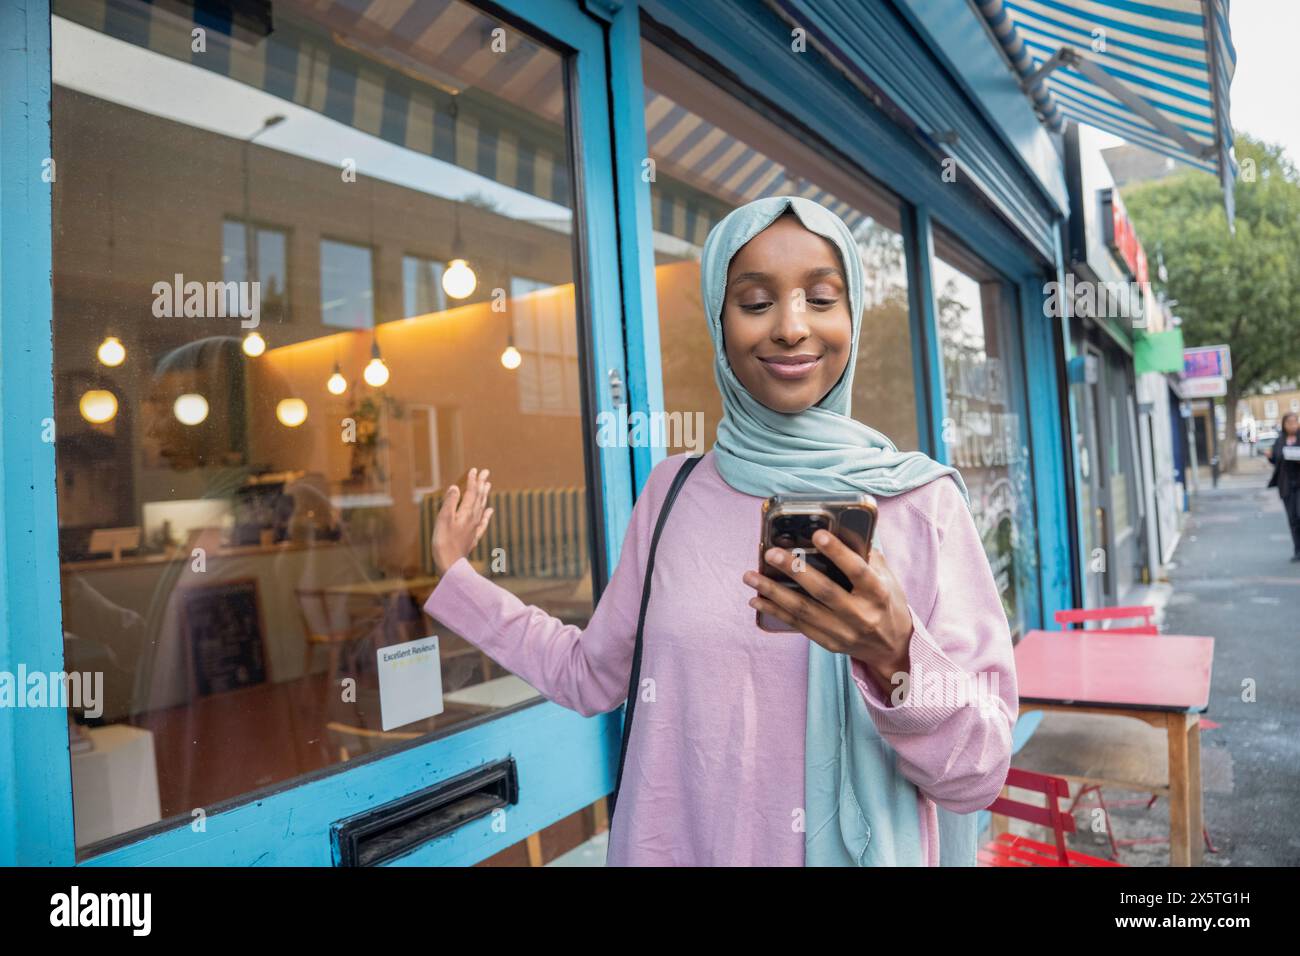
1231,578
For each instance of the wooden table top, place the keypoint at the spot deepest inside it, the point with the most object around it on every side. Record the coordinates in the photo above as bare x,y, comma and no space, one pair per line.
1145,672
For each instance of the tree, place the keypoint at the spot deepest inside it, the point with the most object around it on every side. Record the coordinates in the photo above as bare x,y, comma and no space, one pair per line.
1243,289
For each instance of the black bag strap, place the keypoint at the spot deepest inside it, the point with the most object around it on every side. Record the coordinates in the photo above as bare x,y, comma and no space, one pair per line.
632,687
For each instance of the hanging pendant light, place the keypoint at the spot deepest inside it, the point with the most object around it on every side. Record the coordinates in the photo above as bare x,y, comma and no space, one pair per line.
376,372
291,412
337,384
511,358
254,344
98,406
459,280
190,408
111,352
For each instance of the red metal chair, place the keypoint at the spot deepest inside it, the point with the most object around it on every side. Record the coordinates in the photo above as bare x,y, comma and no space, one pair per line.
1007,849
1082,617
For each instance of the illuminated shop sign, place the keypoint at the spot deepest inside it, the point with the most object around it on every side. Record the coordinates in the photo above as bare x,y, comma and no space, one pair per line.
1121,237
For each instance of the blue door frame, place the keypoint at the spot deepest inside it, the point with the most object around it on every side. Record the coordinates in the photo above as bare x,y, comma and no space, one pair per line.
36,789
566,761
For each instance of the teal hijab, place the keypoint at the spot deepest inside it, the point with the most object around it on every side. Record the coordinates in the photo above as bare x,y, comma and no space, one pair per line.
859,809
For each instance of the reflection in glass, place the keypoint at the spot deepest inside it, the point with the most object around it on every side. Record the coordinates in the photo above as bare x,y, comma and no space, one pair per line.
711,154
347,288
982,428
251,252
303,181
422,286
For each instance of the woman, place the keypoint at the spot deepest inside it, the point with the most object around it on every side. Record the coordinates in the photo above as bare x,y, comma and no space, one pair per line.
1286,475
749,747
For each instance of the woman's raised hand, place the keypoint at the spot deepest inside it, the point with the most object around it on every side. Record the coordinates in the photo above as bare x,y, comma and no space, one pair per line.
461,522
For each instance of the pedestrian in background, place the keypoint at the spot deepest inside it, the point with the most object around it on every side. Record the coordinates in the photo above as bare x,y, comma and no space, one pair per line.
1285,456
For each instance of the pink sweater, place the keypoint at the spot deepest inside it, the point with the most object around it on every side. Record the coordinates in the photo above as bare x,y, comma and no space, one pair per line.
715,765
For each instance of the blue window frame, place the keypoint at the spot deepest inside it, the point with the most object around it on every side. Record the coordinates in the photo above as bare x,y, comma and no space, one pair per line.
292,825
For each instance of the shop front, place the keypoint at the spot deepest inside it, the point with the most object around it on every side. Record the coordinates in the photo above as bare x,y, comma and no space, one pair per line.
312,261
1111,304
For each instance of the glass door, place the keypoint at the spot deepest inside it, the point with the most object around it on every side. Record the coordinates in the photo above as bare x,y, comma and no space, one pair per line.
1094,495
984,427
311,264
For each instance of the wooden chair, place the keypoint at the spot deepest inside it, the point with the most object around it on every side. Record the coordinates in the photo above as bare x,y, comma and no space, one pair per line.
335,622
1006,849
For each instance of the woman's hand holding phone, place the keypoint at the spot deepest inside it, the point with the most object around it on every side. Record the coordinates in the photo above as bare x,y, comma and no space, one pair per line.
461,523
871,623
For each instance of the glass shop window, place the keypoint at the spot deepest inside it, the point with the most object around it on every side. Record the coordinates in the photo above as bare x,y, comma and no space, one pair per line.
1120,466
547,349
279,272
250,252
983,426
422,290
1126,503
713,153
347,285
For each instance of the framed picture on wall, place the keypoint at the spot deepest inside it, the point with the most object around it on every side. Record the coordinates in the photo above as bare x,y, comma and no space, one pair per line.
224,636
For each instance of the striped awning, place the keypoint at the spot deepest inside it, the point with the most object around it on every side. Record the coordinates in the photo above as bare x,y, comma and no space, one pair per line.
419,74
1155,72
501,116
704,172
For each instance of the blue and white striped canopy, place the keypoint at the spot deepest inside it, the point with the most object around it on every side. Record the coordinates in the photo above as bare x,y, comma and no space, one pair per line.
1175,55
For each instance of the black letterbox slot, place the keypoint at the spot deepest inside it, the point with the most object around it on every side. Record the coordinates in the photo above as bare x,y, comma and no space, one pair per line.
379,835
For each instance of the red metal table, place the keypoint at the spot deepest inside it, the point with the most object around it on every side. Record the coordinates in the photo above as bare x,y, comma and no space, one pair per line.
1162,679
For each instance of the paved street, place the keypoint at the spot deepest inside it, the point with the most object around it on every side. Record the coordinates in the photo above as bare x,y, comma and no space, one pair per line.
1233,580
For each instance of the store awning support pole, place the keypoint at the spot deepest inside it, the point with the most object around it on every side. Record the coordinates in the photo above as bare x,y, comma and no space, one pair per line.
1068,56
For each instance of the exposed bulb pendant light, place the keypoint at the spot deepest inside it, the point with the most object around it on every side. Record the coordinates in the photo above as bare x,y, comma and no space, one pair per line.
190,408
111,352
254,344
98,406
376,372
337,384
459,280
511,358
291,412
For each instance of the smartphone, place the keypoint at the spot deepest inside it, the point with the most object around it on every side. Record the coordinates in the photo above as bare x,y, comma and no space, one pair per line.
790,521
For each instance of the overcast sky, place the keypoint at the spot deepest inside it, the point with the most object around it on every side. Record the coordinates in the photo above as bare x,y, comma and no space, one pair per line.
1266,87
